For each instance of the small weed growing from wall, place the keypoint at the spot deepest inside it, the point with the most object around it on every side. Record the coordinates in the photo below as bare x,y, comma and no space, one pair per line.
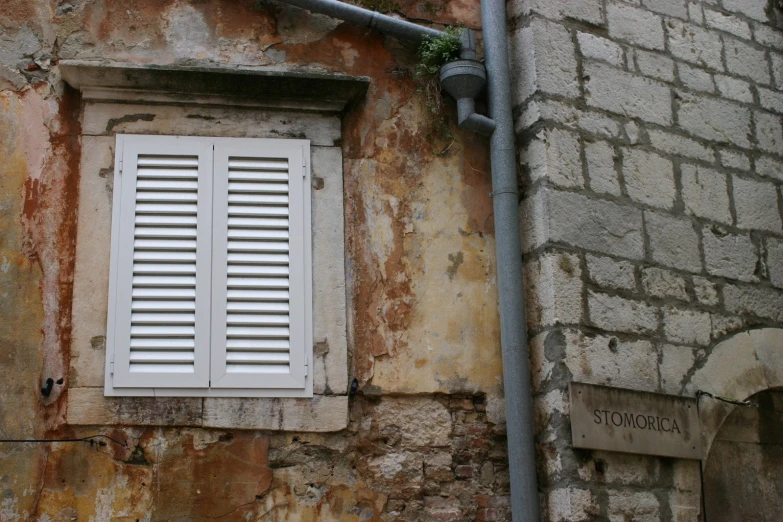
433,53
431,8
381,6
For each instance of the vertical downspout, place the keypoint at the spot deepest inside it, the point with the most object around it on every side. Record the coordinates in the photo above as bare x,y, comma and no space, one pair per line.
508,254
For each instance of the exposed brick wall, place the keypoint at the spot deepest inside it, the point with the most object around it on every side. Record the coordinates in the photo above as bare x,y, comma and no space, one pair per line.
651,153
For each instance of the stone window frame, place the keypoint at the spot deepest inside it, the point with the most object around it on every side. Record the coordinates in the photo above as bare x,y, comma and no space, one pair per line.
192,101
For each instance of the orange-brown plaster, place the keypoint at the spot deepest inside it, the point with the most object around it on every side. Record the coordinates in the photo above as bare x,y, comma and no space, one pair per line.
406,210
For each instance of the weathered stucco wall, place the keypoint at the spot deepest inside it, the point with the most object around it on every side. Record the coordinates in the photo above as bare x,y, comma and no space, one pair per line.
651,150
425,442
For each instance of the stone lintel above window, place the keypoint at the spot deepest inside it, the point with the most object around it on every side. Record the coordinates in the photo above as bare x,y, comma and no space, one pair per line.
299,89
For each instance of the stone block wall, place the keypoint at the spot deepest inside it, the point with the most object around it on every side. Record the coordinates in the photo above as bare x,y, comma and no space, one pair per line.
651,160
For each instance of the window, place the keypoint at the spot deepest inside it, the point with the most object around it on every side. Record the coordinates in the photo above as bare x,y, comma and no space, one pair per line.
242,104
210,289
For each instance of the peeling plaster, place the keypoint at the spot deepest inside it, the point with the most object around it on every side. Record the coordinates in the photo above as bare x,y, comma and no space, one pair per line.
406,211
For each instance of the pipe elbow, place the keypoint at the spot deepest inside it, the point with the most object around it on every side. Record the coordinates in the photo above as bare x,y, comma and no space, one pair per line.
469,119
478,124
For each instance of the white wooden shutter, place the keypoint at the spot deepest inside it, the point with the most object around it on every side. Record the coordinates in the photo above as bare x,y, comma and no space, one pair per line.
160,325
261,310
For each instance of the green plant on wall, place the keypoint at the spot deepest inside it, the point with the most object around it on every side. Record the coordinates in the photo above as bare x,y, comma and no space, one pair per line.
433,53
382,6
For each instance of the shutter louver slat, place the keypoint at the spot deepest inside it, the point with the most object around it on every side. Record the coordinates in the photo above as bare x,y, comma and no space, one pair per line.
260,212
167,197
164,293
164,257
178,358
257,270
272,307
257,345
257,295
159,209
236,187
189,184
259,166
257,318
257,283
259,234
169,221
257,246
167,281
257,223
143,305
147,368
165,319
171,244
151,163
162,331
258,358
242,198
256,368
164,268
238,258
167,345
165,232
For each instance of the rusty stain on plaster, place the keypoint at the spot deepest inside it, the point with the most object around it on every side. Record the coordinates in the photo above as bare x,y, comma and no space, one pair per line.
48,219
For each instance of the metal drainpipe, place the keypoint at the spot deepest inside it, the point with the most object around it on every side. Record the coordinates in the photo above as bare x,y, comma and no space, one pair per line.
366,18
508,245
508,255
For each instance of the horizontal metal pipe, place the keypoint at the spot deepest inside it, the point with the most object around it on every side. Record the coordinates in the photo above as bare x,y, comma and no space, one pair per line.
366,18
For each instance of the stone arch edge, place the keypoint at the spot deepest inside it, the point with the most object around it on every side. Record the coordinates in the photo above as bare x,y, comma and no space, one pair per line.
741,365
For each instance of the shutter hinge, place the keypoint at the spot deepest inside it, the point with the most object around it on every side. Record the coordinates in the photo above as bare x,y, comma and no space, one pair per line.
307,365
304,164
111,364
120,165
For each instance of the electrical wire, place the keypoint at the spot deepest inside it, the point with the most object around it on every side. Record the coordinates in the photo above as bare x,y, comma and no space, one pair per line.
90,439
735,402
